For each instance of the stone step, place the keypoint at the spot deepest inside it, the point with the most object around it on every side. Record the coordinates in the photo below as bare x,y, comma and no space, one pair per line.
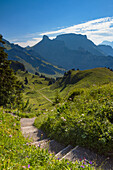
41,142
70,154
27,121
35,136
79,153
55,147
51,145
82,154
63,152
28,129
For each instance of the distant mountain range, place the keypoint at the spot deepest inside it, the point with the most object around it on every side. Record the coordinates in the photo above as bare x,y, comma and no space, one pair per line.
72,51
65,51
32,60
107,49
107,43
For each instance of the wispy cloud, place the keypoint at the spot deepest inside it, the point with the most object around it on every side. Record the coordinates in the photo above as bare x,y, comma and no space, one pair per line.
97,30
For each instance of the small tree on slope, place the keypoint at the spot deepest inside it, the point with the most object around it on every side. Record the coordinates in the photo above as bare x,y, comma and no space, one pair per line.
10,87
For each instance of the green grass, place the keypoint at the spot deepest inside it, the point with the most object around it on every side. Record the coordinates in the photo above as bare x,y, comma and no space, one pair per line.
16,152
86,105
34,91
84,79
37,87
85,119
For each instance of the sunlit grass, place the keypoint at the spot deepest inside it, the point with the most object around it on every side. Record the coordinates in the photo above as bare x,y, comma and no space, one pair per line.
16,152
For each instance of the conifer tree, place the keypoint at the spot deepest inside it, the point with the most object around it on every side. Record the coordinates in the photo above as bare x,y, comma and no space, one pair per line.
26,81
10,87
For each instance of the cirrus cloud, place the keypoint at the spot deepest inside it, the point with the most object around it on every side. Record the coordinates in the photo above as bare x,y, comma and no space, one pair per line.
96,30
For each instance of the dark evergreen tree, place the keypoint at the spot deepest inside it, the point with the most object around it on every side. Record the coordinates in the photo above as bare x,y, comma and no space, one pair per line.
57,98
36,73
10,87
26,81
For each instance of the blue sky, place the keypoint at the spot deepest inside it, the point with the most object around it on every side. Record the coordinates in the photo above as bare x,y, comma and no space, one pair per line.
26,21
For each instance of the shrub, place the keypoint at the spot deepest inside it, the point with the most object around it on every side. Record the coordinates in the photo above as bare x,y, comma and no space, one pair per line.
86,121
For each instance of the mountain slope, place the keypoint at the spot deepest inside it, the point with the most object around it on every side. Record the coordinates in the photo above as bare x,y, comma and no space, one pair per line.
72,51
78,41
107,49
32,60
15,65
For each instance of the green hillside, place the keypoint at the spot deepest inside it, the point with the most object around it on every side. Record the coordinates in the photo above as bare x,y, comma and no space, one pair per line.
84,115
38,86
84,118
84,79
37,91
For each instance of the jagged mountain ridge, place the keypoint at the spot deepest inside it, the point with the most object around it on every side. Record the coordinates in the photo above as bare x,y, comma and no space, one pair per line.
78,42
72,51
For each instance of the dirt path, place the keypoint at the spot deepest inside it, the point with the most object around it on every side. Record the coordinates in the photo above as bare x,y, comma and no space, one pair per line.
45,97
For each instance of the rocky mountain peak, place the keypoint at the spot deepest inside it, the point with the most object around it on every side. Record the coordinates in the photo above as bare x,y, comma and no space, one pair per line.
45,37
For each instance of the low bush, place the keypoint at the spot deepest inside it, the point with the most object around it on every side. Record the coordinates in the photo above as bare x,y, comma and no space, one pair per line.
85,121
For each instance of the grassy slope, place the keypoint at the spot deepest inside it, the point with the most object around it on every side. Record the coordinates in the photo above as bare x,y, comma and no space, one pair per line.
83,79
86,119
65,86
33,90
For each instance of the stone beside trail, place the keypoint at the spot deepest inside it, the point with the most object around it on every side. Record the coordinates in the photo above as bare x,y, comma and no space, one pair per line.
40,139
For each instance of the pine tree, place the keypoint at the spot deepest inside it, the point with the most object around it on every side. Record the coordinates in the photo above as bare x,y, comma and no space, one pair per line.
10,87
26,81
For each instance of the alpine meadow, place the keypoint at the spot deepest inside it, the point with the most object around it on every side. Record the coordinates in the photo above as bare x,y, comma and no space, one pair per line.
56,85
